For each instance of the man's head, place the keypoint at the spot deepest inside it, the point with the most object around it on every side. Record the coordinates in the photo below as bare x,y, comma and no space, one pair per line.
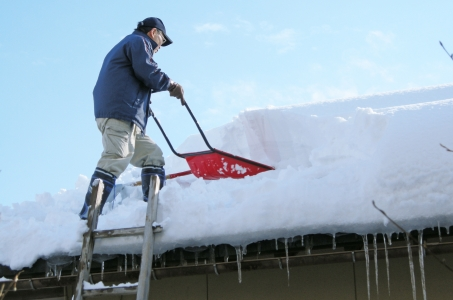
157,36
155,29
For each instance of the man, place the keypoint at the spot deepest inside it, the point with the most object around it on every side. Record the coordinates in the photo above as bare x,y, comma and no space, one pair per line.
128,77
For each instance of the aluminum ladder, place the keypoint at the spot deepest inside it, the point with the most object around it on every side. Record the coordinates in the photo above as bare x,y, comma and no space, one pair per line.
89,237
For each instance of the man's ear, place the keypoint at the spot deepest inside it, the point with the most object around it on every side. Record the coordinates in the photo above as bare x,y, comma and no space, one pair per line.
152,33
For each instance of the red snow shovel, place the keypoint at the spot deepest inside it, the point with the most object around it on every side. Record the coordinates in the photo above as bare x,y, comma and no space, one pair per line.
213,163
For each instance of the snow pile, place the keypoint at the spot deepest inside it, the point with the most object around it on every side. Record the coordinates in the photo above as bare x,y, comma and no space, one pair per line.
100,285
4,279
331,158
41,228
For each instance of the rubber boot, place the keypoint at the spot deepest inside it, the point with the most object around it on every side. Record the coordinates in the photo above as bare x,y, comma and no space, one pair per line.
147,171
109,182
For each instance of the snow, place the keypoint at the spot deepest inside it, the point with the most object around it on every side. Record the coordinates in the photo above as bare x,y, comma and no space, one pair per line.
100,285
4,279
332,159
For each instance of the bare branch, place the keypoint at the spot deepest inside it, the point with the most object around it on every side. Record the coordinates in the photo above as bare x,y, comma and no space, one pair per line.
448,149
11,285
442,261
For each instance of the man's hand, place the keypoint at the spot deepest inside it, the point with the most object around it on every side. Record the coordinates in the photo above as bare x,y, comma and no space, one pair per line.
177,91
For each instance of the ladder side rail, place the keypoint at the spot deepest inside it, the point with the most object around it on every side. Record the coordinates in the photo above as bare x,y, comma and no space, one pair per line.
148,240
88,238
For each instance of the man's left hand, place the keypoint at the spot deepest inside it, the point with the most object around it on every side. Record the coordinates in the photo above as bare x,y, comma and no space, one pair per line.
177,91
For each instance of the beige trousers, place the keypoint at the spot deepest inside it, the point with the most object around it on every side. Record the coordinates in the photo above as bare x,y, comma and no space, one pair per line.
123,144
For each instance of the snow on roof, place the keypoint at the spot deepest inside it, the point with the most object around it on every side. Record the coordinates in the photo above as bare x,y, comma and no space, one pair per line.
332,159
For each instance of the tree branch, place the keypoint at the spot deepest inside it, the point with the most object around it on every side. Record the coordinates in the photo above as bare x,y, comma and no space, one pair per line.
442,261
448,149
11,285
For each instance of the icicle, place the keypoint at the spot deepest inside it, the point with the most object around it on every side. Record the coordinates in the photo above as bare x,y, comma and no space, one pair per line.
164,260
353,272
56,264
240,252
196,258
334,243
389,239
239,259
182,261
133,261
367,259
280,265
302,240
226,257
244,251
276,244
74,266
387,263
211,254
59,269
309,245
102,271
421,255
411,267
125,264
438,228
287,258
376,264
48,271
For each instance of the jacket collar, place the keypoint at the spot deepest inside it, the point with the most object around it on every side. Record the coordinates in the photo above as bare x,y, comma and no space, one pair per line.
138,32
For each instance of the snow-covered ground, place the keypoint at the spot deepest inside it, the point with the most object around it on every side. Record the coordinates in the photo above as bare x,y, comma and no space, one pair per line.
332,159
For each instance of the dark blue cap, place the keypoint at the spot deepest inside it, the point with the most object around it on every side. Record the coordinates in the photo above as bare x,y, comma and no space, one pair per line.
155,23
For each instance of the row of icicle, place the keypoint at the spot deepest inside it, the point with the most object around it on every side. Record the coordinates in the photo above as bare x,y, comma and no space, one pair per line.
411,263
56,268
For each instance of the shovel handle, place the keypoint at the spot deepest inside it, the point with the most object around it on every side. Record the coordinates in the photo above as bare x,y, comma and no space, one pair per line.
169,176
174,175
168,140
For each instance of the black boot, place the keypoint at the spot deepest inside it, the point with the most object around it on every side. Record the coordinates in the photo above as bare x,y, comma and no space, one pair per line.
109,182
147,171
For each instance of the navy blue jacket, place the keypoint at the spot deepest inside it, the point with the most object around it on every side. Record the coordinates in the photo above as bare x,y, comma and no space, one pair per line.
127,78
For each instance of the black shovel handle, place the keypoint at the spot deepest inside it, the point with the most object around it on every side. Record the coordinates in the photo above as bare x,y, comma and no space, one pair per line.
168,141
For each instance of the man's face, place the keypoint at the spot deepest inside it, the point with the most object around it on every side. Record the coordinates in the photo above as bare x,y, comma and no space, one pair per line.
157,36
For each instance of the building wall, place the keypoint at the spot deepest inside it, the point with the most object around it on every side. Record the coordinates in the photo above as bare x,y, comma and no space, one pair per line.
334,281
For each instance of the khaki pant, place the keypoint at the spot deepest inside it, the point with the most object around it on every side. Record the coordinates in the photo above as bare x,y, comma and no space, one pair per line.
123,144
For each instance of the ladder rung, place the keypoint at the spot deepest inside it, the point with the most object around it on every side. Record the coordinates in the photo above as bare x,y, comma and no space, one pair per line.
132,290
151,227
109,233
118,232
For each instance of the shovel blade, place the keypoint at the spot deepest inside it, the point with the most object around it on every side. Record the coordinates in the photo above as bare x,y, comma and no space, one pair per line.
218,164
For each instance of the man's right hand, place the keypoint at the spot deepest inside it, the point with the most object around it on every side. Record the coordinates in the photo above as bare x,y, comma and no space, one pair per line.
177,91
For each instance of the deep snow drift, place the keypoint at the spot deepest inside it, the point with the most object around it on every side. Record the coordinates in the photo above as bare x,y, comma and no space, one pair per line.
332,159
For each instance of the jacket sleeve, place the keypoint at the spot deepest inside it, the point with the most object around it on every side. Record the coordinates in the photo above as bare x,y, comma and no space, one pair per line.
140,53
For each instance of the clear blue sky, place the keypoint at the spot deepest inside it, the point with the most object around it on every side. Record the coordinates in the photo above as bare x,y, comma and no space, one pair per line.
228,55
